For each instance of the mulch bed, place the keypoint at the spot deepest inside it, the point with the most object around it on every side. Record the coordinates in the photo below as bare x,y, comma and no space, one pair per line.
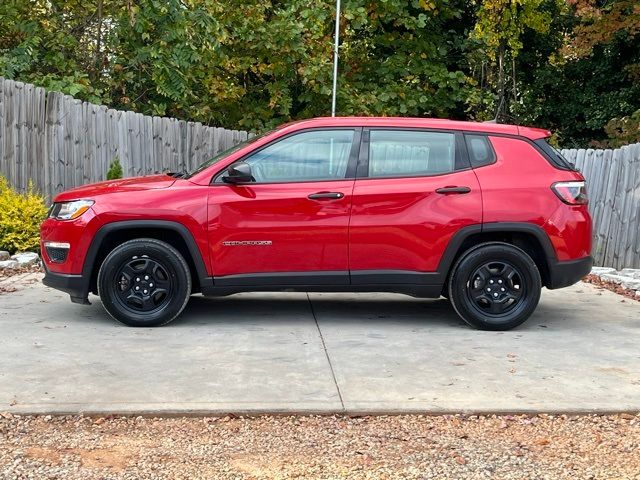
5,273
612,286
10,272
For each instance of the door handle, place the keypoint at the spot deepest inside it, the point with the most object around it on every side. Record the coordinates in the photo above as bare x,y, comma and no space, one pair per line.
326,196
446,190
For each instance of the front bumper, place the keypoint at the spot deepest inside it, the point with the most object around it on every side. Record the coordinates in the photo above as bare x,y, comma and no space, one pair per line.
75,285
563,274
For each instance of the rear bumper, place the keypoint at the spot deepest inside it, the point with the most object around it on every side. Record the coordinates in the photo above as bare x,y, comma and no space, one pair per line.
563,274
75,285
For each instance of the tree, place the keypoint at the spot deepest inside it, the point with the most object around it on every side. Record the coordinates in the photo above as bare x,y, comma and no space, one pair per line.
610,26
499,29
583,85
572,67
251,64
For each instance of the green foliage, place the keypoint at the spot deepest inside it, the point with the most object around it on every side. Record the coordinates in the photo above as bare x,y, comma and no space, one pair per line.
567,65
623,130
115,170
579,96
251,64
499,33
20,218
502,23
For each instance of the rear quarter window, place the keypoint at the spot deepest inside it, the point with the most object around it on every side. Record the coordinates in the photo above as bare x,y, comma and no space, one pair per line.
480,150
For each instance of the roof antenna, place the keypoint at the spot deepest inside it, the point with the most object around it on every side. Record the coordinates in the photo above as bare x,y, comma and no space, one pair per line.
495,120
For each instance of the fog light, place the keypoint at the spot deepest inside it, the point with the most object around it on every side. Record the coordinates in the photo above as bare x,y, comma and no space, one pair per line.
57,245
57,251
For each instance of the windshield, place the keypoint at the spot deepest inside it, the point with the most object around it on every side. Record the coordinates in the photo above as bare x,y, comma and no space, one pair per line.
224,154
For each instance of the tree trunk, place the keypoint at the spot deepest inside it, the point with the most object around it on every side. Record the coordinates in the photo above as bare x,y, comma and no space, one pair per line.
501,82
98,56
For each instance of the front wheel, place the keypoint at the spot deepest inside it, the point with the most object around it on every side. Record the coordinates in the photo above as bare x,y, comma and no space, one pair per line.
495,286
144,283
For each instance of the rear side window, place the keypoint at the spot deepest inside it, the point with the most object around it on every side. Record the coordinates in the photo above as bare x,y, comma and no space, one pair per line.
480,150
397,153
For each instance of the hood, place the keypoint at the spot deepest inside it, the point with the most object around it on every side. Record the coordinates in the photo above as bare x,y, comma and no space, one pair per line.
151,182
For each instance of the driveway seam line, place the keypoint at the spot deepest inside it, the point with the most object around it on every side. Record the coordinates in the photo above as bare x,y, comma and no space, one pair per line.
326,353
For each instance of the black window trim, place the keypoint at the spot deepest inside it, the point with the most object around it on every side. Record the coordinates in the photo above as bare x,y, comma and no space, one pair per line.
533,143
352,161
461,156
558,159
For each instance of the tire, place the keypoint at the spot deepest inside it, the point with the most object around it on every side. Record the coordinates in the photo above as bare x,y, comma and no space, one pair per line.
494,286
144,283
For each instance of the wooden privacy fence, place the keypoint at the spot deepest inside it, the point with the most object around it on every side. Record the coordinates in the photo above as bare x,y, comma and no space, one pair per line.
613,182
59,142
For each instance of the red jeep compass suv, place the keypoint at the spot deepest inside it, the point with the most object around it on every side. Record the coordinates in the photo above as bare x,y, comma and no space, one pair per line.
483,214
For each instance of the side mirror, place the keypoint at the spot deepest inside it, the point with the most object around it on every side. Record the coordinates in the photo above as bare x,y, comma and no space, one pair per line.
238,173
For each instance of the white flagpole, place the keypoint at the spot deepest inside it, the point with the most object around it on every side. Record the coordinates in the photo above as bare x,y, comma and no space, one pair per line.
335,60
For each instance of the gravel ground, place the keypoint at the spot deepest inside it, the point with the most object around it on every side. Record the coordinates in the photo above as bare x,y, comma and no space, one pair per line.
403,447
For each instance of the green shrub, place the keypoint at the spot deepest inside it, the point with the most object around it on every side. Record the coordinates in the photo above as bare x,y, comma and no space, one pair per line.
115,170
20,218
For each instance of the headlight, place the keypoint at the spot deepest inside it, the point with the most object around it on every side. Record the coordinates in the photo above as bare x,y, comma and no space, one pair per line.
70,210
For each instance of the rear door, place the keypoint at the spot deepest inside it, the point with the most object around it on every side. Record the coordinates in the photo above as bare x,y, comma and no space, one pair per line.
414,190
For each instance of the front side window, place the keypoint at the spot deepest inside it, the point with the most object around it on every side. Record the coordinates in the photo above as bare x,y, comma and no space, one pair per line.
395,153
307,156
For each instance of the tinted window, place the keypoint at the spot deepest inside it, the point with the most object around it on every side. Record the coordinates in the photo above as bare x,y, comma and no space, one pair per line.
410,153
480,150
307,156
554,155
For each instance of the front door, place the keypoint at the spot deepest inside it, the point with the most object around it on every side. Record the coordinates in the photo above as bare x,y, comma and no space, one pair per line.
290,225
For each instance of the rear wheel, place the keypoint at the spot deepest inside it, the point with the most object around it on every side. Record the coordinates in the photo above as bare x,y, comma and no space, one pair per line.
144,283
495,286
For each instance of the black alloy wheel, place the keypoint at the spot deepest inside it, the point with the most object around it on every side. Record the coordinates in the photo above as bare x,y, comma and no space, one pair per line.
144,283
495,286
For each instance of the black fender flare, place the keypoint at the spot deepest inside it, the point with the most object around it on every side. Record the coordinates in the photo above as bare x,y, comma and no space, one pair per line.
109,228
461,235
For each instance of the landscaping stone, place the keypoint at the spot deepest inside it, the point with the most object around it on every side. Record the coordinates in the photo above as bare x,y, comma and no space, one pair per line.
626,282
4,255
8,264
26,258
627,277
631,272
602,270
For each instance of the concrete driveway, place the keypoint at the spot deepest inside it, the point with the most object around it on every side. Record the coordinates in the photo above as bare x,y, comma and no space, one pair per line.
299,353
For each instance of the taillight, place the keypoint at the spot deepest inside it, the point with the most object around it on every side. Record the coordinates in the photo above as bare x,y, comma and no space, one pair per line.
573,193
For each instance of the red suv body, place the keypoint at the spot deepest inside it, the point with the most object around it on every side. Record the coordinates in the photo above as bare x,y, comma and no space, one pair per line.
482,213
